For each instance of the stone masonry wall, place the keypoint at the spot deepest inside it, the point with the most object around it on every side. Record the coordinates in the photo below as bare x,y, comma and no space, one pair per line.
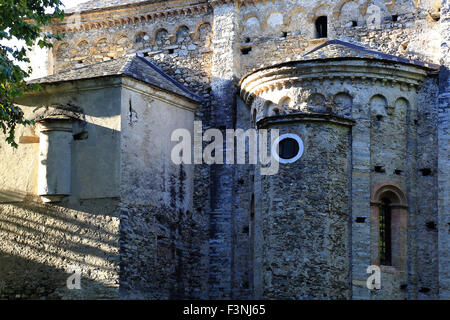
443,156
305,218
208,49
39,242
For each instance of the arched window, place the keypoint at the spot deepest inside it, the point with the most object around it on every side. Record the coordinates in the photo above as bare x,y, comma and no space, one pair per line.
389,220
385,232
322,27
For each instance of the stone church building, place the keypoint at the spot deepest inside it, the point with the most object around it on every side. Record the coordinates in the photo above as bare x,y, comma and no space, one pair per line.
92,189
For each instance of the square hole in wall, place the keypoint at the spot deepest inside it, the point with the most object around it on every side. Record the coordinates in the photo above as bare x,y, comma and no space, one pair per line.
398,172
360,219
379,169
246,50
431,225
395,18
425,172
354,23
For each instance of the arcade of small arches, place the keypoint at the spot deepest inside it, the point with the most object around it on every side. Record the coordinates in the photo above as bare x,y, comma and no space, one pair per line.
112,46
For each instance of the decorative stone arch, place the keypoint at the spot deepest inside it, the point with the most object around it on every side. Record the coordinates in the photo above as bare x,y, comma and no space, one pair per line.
390,6
293,16
346,14
316,11
343,103
295,11
247,18
402,99
202,24
119,38
398,205
378,105
284,104
101,45
180,32
401,107
59,44
338,8
266,26
81,42
142,40
317,103
84,51
159,35
271,109
57,49
100,39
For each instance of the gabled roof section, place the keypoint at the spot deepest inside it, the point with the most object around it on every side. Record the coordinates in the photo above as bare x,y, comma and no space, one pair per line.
340,49
133,66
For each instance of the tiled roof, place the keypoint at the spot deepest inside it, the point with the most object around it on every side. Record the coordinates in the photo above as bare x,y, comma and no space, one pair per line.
133,66
341,49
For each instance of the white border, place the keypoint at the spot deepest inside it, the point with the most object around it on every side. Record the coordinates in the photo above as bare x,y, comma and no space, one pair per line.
301,148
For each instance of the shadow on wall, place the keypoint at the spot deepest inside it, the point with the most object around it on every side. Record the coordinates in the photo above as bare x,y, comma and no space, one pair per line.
39,242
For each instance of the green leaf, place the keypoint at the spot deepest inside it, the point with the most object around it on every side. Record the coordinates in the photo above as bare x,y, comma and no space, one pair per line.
24,20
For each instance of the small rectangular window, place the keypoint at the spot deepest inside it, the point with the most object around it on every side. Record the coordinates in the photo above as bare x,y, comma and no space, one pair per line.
322,27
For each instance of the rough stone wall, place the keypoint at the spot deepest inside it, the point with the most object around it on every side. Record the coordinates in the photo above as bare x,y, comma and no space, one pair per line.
201,54
305,218
423,186
443,156
181,45
38,242
389,165
223,92
244,218
280,31
163,240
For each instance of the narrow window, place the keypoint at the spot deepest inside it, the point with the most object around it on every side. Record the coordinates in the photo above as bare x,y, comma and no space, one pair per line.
385,233
322,27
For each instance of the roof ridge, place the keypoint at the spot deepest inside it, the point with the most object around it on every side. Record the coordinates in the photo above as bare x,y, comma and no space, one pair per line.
378,54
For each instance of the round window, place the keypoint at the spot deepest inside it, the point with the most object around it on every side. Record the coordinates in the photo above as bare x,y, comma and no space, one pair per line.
288,148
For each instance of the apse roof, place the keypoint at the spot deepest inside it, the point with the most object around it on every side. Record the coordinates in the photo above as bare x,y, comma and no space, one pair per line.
340,49
133,66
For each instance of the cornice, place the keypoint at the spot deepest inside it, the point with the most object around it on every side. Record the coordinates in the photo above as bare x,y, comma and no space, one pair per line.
141,12
304,117
357,70
129,15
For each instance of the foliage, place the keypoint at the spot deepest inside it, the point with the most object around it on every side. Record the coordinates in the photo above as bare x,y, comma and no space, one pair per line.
23,20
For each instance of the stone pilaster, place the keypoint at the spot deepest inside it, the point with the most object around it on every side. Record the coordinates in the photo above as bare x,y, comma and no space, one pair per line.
360,201
225,26
444,156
